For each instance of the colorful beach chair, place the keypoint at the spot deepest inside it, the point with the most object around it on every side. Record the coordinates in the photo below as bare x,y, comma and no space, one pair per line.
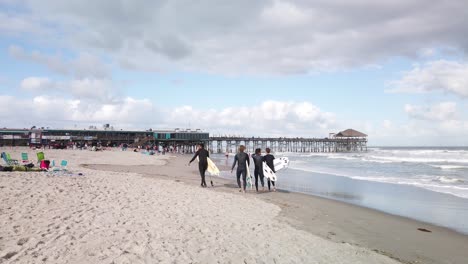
42,162
59,169
44,165
25,158
63,165
40,157
8,160
4,158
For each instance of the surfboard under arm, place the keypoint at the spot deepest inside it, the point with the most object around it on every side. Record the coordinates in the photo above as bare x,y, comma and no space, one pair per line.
268,172
249,176
281,163
212,168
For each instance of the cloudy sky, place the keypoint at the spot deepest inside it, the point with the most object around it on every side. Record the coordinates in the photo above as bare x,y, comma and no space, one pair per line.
396,70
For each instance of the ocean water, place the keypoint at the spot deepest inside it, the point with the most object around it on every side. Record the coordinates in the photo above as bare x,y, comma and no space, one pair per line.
426,184
443,170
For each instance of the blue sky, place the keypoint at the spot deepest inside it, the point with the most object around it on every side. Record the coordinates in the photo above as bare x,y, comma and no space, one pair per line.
274,68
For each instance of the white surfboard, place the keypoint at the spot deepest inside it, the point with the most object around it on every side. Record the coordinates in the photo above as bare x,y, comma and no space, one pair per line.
281,163
212,168
249,176
268,173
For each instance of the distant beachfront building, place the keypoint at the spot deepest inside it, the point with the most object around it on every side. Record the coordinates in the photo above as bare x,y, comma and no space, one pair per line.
350,133
106,137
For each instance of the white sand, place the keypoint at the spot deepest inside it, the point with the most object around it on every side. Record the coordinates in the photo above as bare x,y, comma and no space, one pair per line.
107,217
77,157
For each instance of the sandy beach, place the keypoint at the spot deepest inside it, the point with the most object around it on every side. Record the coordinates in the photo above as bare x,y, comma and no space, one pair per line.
133,208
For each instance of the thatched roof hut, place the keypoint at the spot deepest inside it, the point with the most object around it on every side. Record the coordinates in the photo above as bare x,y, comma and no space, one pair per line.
351,133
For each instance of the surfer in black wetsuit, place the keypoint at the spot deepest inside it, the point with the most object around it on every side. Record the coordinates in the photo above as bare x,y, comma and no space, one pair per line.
242,159
269,161
203,155
258,161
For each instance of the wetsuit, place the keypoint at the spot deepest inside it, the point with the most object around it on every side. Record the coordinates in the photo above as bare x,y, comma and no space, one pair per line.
241,158
258,172
203,155
269,161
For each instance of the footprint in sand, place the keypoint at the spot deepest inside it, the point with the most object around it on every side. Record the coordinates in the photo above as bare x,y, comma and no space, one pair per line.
22,241
10,255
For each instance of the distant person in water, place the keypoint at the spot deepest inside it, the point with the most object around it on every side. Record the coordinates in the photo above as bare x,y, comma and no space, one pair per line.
269,161
258,172
202,155
242,159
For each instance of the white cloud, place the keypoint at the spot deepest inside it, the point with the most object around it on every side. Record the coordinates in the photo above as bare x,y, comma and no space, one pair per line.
442,75
265,36
101,90
85,65
89,66
428,52
60,112
387,124
36,84
54,63
283,13
439,112
270,118
89,76
20,24
418,132
95,89
439,124
129,112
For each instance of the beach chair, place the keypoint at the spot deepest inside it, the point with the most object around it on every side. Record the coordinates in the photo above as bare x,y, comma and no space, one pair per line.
63,165
53,168
44,165
40,157
25,158
8,160
13,161
4,158
59,169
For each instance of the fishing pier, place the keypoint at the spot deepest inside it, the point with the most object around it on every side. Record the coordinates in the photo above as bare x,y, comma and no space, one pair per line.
346,141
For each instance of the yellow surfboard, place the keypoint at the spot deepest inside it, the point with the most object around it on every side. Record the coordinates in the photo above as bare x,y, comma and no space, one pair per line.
212,168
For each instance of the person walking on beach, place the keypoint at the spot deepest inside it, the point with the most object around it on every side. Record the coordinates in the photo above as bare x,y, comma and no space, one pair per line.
242,159
258,172
202,155
269,161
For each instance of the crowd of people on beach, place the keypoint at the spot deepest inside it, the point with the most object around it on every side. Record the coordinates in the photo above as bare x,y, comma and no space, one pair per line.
242,161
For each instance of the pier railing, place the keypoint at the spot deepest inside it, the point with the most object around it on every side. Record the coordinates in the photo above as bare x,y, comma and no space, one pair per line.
229,144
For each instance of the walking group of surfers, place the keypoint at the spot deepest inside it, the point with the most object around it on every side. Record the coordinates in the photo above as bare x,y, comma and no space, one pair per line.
242,160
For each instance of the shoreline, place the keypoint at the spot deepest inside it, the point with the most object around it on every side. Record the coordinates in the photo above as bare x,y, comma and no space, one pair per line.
391,235
439,209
